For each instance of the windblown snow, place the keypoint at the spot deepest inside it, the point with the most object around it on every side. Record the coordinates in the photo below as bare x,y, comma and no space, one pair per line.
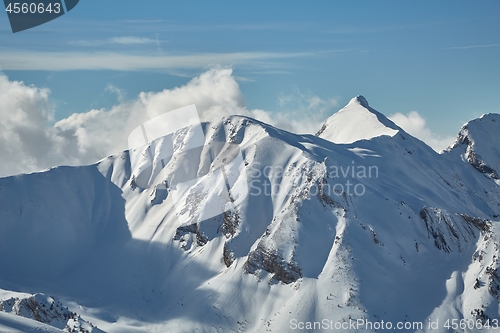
361,222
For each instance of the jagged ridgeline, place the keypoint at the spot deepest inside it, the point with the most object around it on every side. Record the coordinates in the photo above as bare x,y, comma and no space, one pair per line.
360,221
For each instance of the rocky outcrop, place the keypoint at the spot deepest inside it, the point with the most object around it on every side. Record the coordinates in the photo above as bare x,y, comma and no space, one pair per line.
270,261
451,231
473,158
45,309
188,234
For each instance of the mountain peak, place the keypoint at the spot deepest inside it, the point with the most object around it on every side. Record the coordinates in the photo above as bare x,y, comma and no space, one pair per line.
361,100
356,121
479,143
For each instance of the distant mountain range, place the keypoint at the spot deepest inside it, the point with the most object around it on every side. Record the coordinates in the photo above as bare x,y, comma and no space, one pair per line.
359,224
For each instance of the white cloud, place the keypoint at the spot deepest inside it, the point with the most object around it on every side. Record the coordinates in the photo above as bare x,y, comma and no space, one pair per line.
25,142
128,40
124,40
63,61
415,125
28,141
120,94
472,47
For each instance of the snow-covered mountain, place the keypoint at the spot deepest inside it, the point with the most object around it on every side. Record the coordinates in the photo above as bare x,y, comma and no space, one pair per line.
359,222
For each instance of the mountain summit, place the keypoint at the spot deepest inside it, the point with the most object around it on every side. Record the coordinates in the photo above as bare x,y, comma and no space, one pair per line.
356,121
479,143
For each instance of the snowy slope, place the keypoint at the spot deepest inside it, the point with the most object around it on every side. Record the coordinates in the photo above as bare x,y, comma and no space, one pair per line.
10,323
380,227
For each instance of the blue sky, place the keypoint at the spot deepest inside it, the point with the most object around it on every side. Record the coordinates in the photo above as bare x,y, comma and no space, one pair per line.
439,58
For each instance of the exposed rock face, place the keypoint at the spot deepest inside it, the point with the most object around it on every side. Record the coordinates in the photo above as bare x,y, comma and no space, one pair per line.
272,262
227,255
230,223
451,230
189,234
481,144
472,156
229,228
493,281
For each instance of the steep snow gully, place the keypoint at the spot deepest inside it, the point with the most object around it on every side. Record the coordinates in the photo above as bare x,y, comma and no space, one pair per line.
359,223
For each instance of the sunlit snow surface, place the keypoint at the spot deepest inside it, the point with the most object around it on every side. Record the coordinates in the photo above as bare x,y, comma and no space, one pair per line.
417,241
357,121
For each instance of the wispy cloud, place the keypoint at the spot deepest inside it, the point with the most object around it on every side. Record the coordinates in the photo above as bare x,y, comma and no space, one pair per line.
125,40
248,26
243,79
120,94
145,21
370,29
271,72
180,74
471,47
62,61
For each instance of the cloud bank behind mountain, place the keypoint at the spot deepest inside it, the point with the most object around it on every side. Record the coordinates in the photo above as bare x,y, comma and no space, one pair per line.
31,140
